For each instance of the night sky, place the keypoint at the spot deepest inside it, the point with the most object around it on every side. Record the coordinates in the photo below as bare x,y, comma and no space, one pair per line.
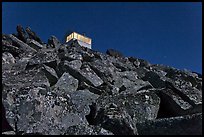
161,33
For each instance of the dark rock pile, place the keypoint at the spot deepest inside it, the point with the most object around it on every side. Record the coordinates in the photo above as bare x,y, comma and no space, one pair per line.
55,89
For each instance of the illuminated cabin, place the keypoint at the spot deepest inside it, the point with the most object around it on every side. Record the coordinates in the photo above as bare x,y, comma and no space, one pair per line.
81,39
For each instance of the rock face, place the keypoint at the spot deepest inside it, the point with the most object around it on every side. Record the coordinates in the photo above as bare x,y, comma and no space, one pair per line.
60,89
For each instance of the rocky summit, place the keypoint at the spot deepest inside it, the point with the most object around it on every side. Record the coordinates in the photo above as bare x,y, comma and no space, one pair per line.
58,89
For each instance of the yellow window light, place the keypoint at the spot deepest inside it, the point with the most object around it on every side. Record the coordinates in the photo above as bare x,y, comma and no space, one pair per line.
79,37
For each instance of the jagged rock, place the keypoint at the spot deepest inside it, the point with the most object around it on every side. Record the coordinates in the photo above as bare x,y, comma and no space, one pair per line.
144,63
81,99
7,58
177,105
65,84
53,42
91,76
85,74
154,79
46,56
18,84
20,79
23,46
114,53
140,107
34,44
87,130
32,35
9,133
21,33
191,94
8,47
42,112
65,55
75,64
182,125
67,89
116,120
105,70
128,81
19,65
84,85
135,61
50,74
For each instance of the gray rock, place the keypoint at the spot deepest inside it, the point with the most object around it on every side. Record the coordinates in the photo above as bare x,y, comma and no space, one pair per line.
114,53
23,46
65,84
144,63
7,46
140,107
81,99
85,74
45,56
95,90
75,64
32,35
191,94
135,61
177,105
53,42
116,120
87,130
104,69
50,74
91,76
154,79
34,44
68,89
21,33
46,114
182,125
7,58
20,79
18,85
127,81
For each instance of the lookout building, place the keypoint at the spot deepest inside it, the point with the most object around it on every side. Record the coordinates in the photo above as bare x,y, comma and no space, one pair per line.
81,39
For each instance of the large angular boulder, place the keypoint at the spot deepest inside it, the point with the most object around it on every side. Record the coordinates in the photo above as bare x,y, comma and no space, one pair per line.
33,35
114,53
65,84
140,107
182,125
21,34
53,42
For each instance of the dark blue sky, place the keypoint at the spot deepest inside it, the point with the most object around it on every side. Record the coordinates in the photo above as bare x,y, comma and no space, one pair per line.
161,33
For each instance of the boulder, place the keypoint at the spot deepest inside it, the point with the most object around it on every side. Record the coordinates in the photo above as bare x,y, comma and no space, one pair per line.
27,50
34,44
118,121
33,35
65,84
140,107
7,58
182,125
50,74
21,33
154,79
46,56
114,53
54,42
